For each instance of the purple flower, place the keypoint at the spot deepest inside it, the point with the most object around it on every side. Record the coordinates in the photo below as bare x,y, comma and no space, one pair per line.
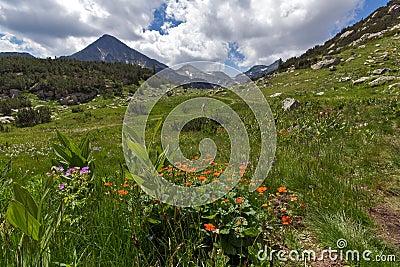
59,168
70,170
84,170
61,187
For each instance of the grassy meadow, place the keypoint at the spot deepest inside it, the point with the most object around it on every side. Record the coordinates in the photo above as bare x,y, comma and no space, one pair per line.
336,175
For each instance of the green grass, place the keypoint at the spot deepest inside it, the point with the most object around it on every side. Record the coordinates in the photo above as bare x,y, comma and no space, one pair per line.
338,154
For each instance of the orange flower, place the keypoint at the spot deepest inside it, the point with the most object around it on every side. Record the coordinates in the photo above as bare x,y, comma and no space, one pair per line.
216,174
161,174
286,220
125,185
188,183
209,227
108,184
122,192
302,205
216,181
282,189
239,200
264,205
262,189
202,178
293,199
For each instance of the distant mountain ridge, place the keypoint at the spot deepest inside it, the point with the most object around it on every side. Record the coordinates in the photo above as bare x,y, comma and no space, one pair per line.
258,71
16,54
109,49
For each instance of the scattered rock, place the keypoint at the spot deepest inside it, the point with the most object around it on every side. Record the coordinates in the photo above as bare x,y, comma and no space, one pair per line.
394,85
6,119
350,59
275,95
332,68
385,55
325,63
220,90
380,71
368,36
290,104
361,80
382,80
129,99
15,92
345,79
346,34
320,93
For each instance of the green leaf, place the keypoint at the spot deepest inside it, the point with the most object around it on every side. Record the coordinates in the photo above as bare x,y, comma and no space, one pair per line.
20,218
140,152
24,197
62,153
252,231
68,144
84,146
153,221
227,247
210,217
224,231
138,179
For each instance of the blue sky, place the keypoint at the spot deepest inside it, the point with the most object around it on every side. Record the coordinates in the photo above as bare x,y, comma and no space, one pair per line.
240,33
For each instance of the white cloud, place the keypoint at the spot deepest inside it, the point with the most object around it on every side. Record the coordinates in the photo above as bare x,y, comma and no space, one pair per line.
264,30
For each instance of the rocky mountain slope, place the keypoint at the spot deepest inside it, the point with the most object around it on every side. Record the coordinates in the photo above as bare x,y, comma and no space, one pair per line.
258,71
383,20
109,49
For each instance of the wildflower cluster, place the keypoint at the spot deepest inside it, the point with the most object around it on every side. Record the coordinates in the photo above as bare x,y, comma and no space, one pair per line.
121,189
73,186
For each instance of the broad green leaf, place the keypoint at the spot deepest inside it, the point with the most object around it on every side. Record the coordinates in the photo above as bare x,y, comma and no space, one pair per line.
61,152
20,218
84,146
24,197
68,144
138,179
140,152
